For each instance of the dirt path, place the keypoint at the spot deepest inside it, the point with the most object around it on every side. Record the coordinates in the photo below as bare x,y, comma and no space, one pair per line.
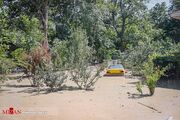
114,98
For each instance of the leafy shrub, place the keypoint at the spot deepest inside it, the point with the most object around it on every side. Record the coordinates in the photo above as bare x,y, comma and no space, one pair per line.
38,59
54,79
152,73
137,56
80,58
86,76
46,76
6,64
37,78
16,42
60,54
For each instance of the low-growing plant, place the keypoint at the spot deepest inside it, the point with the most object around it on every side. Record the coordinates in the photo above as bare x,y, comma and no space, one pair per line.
60,54
47,76
6,64
139,87
86,76
37,78
3,78
53,79
152,73
36,60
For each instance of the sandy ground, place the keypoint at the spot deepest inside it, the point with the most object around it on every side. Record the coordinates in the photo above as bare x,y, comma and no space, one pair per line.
114,98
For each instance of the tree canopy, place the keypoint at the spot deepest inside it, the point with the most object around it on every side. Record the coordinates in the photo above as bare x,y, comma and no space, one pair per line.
113,29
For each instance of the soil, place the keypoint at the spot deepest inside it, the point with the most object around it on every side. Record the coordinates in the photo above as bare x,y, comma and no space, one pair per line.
114,98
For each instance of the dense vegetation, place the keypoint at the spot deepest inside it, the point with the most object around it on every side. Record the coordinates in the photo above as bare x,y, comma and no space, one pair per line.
74,34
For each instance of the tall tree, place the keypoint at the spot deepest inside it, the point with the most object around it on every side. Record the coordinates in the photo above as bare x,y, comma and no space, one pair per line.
42,10
37,8
124,13
159,14
175,5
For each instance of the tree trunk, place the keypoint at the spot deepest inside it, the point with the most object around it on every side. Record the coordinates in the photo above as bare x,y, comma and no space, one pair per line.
46,20
151,90
43,14
42,7
122,33
45,24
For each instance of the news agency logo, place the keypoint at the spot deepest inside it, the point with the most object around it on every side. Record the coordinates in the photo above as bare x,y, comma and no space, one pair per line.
15,111
11,111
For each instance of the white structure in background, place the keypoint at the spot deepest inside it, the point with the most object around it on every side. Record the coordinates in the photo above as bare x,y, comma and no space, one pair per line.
176,14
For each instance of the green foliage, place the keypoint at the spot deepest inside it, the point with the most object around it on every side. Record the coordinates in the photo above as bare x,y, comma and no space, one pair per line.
159,14
60,54
82,32
79,51
84,75
20,58
122,15
139,87
1,1
152,73
47,76
136,56
6,64
30,35
175,5
17,43
54,79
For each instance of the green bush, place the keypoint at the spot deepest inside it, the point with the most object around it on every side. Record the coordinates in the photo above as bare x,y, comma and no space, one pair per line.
46,75
86,76
6,64
139,87
80,57
152,73
53,79
60,54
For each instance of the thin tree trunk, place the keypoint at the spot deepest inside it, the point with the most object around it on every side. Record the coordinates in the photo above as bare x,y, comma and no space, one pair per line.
123,18
122,33
45,24
42,6
46,20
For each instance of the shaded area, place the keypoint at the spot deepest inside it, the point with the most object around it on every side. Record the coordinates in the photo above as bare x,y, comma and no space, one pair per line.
113,75
164,82
137,96
17,86
2,90
169,83
45,90
174,61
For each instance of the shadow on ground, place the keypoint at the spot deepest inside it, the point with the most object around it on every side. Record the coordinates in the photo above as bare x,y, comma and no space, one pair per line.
17,86
1,90
34,90
163,82
113,75
137,96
